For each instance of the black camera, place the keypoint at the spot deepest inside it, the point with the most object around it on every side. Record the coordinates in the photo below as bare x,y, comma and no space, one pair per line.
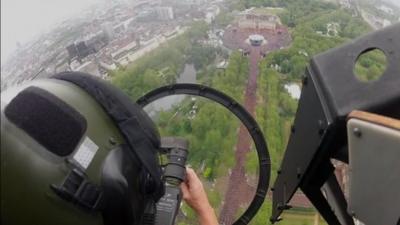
176,150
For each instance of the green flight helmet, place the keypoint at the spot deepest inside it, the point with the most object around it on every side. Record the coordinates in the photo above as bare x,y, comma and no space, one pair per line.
75,150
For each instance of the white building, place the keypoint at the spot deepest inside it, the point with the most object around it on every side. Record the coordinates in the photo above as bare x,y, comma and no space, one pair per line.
132,46
247,24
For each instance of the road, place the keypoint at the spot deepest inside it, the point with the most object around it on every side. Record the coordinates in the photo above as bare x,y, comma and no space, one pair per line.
239,191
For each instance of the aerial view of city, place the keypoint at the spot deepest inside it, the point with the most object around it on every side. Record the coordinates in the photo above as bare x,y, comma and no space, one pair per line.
255,51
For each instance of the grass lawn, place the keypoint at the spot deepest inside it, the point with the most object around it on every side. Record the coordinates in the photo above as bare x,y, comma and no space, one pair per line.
295,218
269,10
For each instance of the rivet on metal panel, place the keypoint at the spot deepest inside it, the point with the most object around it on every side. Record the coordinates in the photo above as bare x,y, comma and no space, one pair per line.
112,141
293,129
321,127
298,172
357,132
305,80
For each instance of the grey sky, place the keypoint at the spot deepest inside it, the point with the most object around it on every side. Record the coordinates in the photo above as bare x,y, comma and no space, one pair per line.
397,2
21,20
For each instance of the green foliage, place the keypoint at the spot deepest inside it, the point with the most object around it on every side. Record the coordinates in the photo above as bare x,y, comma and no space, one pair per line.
233,79
298,9
288,105
201,56
214,197
163,65
262,216
207,172
190,215
143,75
197,31
308,42
370,65
223,19
269,110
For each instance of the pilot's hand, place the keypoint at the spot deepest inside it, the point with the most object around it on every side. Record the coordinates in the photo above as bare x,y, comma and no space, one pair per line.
195,196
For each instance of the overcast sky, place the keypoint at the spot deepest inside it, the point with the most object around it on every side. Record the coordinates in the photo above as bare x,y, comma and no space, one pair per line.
21,20
397,2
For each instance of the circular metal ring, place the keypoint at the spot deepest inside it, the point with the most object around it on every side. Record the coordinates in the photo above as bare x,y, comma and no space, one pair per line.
244,116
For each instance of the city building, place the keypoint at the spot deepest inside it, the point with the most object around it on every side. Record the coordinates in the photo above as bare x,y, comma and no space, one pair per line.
268,24
89,67
119,28
164,13
258,21
108,30
106,37
123,51
97,41
79,50
146,16
72,51
184,2
83,49
247,24
62,68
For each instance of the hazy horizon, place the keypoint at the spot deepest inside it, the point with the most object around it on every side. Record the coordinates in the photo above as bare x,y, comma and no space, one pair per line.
396,2
23,20
22,24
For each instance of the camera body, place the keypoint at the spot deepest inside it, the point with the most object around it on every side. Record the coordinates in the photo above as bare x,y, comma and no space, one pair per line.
176,150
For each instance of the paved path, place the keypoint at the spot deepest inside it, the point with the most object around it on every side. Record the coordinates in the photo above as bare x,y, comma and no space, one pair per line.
239,192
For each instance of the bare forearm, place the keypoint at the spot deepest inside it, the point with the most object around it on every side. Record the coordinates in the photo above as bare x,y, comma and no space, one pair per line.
207,216
196,197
